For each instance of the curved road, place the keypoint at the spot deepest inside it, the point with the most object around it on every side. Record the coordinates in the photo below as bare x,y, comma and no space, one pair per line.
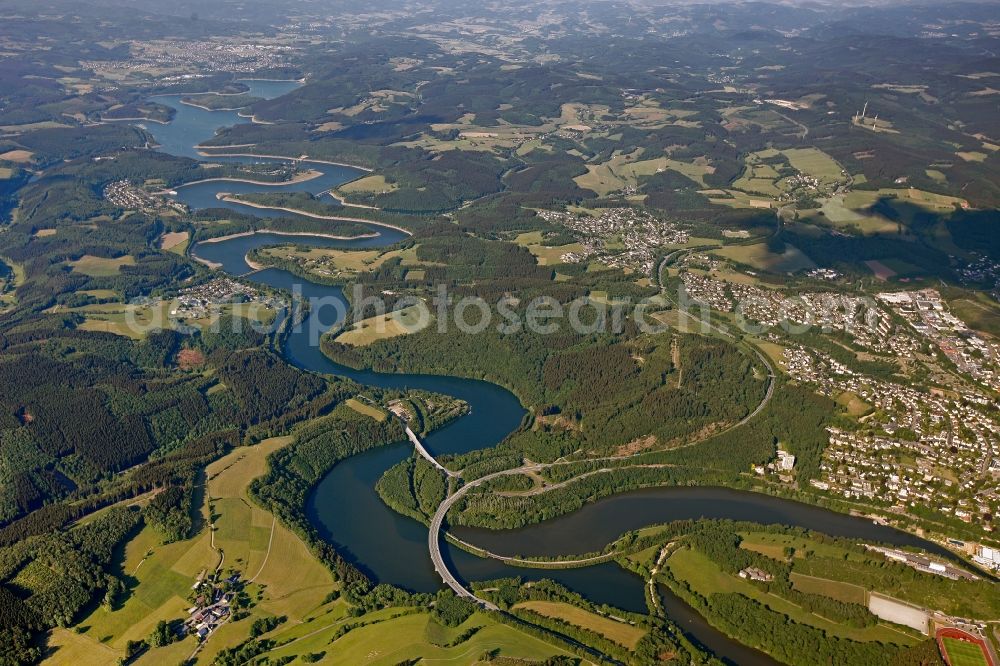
434,533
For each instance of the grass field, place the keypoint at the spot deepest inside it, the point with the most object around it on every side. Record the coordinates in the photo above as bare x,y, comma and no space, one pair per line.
398,637
11,282
837,213
758,256
381,327
175,241
128,320
772,545
369,184
835,589
623,171
978,312
863,199
366,409
814,162
22,156
737,199
620,632
854,405
773,351
545,254
973,156
706,578
962,653
99,266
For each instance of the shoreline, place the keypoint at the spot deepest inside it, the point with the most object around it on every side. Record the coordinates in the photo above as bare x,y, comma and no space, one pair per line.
216,92
312,174
348,204
253,264
200,149
302,80
242,234
214,265
232,199
130,120
205,108
252,117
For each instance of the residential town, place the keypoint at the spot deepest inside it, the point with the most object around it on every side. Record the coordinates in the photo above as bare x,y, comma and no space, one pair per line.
203,300
858,316
619,237
128,196
913,451
217,56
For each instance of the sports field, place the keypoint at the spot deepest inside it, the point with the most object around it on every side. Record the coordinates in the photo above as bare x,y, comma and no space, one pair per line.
963,653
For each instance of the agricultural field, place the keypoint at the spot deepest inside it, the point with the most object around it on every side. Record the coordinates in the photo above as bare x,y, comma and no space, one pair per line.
135,320
859,200
100,266
836,213
175,241
20,156
366,408
622,633
737,199
760,257
546,255
382,327
650,114
289,580
972,156
740,118
814,162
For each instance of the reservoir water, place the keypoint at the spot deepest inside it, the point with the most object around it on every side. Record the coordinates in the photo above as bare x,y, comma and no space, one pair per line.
392,548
